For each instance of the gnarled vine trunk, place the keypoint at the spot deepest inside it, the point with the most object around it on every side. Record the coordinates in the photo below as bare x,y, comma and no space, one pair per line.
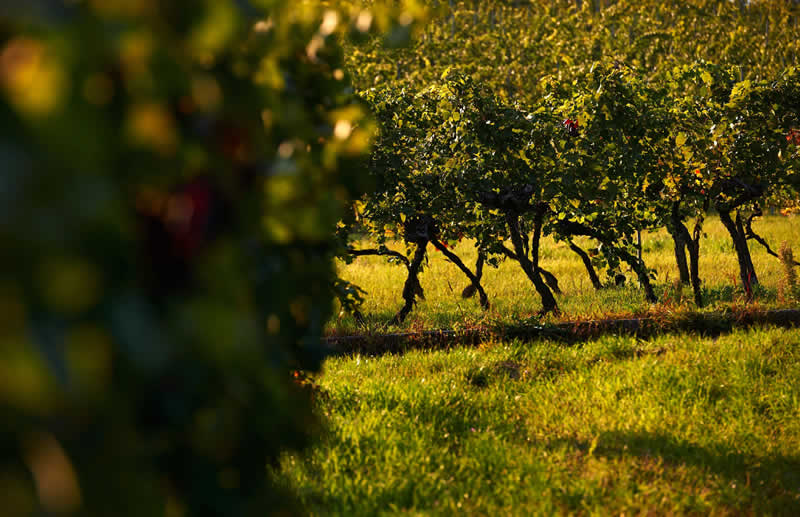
470,290
531,266
693,246
412,287
680,241
690,242
587,262
550,279
747,273
680,257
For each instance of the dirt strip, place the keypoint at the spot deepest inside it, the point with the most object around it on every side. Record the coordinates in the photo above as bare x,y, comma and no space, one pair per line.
708,324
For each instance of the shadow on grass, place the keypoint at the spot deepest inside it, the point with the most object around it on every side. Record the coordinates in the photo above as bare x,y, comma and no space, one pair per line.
769,484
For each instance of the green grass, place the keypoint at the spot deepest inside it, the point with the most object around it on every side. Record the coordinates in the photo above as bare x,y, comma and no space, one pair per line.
676,425
513,298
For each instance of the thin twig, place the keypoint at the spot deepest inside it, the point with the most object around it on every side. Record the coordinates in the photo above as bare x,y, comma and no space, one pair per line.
381,252
751,234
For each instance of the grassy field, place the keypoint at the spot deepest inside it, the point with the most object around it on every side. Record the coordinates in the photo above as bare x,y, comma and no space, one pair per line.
674,425
513,298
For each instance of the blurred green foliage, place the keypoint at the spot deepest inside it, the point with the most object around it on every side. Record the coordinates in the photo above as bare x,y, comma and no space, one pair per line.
172,173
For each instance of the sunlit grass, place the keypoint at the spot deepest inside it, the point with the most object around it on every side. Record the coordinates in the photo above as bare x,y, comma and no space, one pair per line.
673,426
513,298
